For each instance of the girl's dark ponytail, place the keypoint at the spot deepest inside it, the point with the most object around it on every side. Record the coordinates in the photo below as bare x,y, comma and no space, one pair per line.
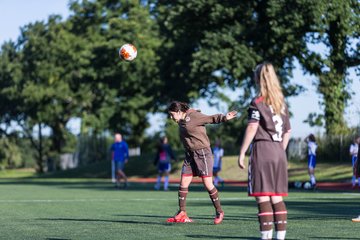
176,106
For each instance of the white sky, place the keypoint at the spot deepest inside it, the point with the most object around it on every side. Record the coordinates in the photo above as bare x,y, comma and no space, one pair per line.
17,13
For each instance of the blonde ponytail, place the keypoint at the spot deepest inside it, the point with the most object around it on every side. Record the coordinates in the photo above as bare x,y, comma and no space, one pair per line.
270,88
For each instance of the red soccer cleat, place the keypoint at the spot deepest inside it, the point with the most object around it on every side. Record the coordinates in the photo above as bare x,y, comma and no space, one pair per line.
180,217
219,217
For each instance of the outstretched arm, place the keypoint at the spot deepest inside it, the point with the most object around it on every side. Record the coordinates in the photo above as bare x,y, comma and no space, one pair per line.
216,118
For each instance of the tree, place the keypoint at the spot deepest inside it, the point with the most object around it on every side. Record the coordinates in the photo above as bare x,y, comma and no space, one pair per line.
129,87
218,43
336,26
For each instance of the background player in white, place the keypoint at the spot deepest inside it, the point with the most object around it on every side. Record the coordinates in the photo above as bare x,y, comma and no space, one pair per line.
312,146
354,148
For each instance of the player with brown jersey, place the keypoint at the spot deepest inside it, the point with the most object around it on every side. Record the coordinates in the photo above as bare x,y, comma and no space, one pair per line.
199,159
268,130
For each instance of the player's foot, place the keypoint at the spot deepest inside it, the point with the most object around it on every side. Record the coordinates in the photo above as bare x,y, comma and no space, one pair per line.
166,189
180,217
356,219
219,217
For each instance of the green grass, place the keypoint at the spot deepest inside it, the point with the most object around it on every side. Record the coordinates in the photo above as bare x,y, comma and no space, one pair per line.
143,167
92,209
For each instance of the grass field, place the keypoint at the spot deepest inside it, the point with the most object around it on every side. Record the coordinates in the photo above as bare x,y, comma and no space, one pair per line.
92,209
325,172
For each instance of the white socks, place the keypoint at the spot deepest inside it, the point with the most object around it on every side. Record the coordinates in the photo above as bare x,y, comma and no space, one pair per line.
312,179
266,234
280,235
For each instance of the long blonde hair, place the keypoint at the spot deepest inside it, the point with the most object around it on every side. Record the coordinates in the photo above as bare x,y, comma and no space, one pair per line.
270,88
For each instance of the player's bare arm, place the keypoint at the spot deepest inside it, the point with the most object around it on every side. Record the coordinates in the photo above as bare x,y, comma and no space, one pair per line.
286,138
250,132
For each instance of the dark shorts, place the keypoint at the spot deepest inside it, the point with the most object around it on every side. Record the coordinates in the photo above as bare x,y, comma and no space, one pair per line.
119,165
164,167
198,163
268,174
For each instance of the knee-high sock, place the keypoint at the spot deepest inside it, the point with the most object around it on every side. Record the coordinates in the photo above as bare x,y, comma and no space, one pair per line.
266,218
280,216
182,198
214,196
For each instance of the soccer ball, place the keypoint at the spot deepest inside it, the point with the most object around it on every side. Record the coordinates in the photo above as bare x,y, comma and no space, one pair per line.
297,184
307,185
128,52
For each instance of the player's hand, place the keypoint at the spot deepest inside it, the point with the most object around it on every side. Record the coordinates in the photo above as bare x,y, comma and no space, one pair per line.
126,161
231,115
241,160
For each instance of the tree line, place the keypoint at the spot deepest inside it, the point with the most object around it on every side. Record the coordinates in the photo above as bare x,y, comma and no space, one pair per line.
61,69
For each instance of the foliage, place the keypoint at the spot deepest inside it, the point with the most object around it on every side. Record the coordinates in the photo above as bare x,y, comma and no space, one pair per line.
129,88
58,70
335,25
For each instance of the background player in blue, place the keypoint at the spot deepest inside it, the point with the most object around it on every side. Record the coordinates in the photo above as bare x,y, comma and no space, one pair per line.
218,152
357,174
354,148
312,146
268,130
163,157
120,156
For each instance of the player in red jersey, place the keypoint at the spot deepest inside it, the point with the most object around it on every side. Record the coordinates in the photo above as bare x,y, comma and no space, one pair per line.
269,130
199,159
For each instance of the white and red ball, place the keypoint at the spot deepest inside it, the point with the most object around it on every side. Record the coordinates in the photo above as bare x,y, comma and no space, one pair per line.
128,52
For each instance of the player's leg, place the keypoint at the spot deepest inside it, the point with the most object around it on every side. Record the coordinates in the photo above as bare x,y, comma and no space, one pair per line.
187,173
117,174
121,173
166,177
214,196
181,215
311,166
280,216
216,179
160,172
113,179
158,180
265,217
353,180
183,191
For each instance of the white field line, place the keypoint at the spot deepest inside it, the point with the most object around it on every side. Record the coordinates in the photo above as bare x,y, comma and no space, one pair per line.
350,196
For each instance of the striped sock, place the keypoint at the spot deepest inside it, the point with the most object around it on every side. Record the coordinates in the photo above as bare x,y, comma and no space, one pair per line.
266,218
280,216
182,198
214,196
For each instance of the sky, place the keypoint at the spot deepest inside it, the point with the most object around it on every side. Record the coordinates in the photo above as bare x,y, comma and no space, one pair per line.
17,13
